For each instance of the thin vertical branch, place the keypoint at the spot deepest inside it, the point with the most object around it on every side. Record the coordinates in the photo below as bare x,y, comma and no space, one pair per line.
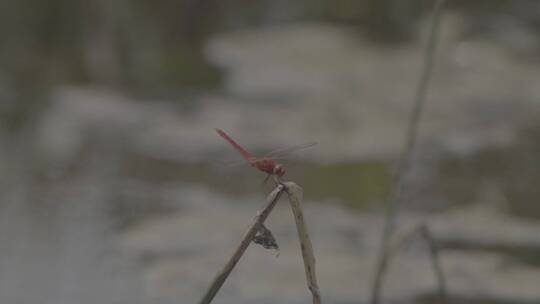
408,148
422,231
436,264
258,221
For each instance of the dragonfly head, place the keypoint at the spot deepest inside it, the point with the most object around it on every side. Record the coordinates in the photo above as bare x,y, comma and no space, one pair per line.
279,170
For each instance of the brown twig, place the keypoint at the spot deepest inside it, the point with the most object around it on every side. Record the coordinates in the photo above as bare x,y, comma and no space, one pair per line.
258,221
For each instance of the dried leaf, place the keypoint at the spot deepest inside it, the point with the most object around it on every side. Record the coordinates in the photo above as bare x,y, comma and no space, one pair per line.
265,238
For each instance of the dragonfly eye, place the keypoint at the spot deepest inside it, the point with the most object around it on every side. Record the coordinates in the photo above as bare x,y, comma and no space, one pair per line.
279,170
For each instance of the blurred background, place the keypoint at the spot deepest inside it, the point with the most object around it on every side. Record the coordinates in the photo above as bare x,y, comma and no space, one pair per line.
113,188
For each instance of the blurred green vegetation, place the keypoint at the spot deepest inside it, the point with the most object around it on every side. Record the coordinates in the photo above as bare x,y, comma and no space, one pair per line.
148,43
511,171
358,184
151,47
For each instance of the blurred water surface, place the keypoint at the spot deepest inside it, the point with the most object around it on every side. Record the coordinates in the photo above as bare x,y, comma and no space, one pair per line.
112,188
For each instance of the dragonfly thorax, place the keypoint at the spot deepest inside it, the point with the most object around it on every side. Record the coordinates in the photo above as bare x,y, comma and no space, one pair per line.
269,166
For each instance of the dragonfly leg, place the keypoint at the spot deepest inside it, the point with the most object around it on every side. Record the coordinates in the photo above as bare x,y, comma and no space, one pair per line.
277,179
267,178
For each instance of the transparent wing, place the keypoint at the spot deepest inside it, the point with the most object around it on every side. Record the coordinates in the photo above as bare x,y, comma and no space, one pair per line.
280,153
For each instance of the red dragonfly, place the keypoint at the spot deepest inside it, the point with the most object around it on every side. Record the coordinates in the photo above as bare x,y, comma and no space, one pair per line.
265,164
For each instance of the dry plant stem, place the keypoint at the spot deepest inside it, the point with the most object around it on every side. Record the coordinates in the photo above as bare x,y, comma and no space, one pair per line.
259,219
295,195
423,232
436,264
407,151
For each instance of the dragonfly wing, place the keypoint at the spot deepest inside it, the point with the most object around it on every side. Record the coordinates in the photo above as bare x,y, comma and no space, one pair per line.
280,153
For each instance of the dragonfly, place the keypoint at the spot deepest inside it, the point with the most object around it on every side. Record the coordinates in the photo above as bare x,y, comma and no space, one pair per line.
266,164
